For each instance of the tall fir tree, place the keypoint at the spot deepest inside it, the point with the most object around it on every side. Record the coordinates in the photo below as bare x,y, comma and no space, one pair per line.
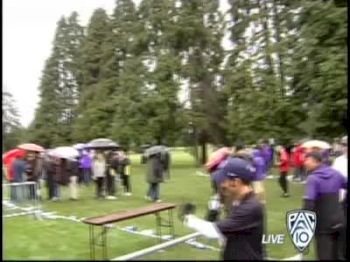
59,87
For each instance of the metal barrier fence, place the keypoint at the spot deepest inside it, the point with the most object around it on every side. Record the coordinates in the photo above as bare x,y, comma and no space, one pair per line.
156,248
20,199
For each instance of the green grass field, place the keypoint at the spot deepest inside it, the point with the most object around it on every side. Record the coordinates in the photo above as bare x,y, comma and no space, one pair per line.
27,238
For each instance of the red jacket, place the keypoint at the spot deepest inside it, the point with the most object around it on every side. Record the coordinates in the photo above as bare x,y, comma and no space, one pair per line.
284,161
298,156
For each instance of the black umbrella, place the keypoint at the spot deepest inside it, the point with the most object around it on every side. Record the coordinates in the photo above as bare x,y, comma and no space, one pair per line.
102,143
155,150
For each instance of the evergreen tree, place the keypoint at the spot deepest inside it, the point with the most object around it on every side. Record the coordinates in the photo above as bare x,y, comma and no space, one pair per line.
59,87
320,67
95,109
11,127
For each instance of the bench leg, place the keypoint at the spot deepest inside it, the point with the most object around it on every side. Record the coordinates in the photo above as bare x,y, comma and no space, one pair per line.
92,243
159,226
171,223
104,242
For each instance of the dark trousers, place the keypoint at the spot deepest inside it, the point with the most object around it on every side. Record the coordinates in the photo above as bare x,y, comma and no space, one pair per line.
343,246
50,186
56,190
99,186
153,191
110,185
126,182
328,246
86,175
283,181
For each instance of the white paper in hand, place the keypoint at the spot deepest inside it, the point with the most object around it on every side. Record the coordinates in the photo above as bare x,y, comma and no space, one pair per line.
214,203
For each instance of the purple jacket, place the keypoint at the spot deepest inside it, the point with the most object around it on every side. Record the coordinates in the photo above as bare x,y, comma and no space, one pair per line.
85,161
322,196
260,165
324,180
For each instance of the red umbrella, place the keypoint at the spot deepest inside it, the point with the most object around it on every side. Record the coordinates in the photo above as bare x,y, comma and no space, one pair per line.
31,147
216,158
8,158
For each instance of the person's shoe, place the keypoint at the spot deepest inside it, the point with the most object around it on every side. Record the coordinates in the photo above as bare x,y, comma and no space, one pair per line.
127,194
285,195
111,197
54,199
148,198
158,201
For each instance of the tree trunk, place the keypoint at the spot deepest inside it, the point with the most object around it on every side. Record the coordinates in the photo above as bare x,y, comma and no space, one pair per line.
276,22
204,153
268,58
195,148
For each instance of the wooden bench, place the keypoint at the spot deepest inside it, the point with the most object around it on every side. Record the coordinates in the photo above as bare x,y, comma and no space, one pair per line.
104,221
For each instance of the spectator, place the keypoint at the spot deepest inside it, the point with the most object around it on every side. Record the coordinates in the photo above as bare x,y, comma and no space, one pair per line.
49,166
73,171
283,165
298,162
111,165
155,176
322,196
99,172
124,171
38,172
31,175
261,172
57,178
85,165
19,168
341,164
166,160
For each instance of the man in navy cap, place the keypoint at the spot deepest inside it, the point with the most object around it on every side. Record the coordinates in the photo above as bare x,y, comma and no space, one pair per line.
322,196
242,231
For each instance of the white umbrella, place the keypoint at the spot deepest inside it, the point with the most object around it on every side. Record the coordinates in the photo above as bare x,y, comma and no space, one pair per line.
66,152
316,143
102,143
79,146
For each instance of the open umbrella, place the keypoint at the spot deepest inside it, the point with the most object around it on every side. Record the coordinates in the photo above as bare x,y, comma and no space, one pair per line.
155,150
102,143
31,147
145,146
8,158
9,155
216,158
79,146
317,144
66,152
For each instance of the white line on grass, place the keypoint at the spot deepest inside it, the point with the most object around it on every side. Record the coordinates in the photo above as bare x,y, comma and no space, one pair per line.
200,173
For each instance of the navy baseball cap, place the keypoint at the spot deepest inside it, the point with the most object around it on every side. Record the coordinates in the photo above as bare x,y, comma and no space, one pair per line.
238,168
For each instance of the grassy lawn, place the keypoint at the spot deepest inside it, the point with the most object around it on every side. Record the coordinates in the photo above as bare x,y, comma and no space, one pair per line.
27,238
